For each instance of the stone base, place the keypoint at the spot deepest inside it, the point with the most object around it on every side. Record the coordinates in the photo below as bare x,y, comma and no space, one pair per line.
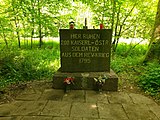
86,80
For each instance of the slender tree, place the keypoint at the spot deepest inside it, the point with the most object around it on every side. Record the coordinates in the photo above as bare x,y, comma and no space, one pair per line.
154,46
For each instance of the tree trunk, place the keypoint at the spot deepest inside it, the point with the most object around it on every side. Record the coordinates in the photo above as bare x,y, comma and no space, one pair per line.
17,31
116,29
33,21
4,35
40,24
153,52
113,13
32,30
16,21
121,26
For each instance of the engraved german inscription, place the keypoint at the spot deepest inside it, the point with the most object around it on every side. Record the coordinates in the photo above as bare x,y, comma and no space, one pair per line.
85,50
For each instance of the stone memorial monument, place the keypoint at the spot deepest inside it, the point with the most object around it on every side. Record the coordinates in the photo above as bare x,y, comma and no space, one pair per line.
85,55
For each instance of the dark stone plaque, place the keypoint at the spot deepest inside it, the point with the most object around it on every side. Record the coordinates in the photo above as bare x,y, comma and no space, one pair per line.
85,50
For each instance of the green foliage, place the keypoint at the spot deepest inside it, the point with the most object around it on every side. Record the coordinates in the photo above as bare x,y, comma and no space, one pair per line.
27,17
131,50
121,62
127,19
150,79
132,69
26,65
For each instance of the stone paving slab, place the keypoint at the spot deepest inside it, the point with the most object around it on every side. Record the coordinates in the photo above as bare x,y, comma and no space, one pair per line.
112,111
155,109
75,96
11,118
57,108
84,110
141,99
80,105
29,95
119,97
95,119
94,97
31,90
37,118
8,109
139,112
66,118
30,108
52,94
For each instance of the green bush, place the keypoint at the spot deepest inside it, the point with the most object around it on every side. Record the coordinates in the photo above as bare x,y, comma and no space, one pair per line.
18,65
150,79
131,67
125,50
122,63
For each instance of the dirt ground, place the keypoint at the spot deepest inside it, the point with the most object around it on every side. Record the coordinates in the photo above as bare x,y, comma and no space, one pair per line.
9,93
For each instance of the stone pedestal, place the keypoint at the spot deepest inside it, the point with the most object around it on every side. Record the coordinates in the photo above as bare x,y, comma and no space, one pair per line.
85,55
85,80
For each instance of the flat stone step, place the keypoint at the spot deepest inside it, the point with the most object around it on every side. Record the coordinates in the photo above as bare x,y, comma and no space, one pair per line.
85,80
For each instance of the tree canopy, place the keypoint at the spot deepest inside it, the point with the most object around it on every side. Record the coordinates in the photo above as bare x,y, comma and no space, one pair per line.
21,19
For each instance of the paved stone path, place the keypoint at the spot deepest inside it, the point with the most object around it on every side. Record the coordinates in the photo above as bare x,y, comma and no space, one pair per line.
52,104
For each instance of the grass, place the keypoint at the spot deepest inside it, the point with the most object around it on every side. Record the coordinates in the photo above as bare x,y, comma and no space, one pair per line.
133,72
25,64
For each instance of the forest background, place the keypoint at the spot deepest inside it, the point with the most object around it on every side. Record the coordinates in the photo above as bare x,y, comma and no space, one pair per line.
29,48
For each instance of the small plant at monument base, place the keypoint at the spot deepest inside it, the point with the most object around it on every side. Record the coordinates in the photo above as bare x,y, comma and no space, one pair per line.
99,82
68,82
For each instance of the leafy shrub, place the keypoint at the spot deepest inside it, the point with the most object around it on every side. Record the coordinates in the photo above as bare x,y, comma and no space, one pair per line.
117,65
122,63
146,76
150,79
18,65
125,50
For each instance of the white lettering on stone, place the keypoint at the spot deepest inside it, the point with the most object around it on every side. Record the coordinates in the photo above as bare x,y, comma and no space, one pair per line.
77,54
76,36
91,36
66,54
80,42
85,48
84,60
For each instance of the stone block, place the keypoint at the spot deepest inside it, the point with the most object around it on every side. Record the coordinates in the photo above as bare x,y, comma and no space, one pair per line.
85,80
85,50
